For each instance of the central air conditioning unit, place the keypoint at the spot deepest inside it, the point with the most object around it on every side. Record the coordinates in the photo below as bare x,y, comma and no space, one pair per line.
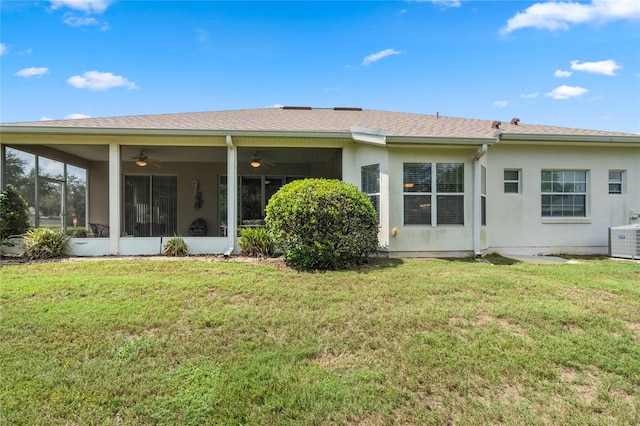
624,241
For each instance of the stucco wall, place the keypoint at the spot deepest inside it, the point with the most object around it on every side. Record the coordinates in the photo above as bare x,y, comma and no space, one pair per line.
424,239
515,223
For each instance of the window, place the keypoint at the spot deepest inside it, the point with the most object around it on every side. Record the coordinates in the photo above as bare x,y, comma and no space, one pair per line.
55,191
564,193
512,181
417,193
370,184
450,193
419,197
254,193
150,205
615,182
483,196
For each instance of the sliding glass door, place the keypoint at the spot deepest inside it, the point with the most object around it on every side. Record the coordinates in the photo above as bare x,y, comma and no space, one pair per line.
150,205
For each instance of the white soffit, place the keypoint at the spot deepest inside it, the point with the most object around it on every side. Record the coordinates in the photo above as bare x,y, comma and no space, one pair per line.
367,135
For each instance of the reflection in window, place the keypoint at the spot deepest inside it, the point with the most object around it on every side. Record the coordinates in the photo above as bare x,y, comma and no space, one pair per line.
370,184
564,193
61,188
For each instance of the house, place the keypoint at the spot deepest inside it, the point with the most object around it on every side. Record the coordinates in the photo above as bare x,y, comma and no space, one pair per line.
441,185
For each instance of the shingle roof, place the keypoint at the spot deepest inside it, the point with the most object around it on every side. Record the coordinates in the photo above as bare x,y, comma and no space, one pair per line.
317,120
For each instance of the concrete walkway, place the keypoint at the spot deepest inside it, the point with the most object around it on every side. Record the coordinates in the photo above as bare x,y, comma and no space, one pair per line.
539,259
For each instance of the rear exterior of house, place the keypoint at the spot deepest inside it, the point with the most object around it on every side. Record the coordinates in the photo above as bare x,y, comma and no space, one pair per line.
442,186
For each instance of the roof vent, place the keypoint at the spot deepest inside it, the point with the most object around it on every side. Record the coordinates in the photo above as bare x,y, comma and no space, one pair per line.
515,121
297,107
347,109
496,124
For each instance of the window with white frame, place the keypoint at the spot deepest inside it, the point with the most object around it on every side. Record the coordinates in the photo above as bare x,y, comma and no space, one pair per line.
450,193
417,193
615,181
483,195
370,184
423,205
511,181
564,193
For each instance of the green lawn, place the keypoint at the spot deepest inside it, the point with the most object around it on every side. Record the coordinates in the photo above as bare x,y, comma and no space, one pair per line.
196,342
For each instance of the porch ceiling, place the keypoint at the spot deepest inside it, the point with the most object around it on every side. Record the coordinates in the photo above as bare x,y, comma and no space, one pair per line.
201,154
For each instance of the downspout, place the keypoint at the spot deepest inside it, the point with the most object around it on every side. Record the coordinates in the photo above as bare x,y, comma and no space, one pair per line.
232,179
477,205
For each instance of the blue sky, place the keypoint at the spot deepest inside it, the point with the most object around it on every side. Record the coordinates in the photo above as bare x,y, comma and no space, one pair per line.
573,64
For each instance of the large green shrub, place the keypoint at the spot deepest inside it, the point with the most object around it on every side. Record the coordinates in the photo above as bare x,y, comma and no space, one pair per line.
44,243
256,242
14,217
322,224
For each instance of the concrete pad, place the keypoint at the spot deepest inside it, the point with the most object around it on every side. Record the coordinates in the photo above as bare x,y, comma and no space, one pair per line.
539,259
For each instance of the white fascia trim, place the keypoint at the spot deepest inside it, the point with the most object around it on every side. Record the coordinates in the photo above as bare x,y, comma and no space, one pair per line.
443,140
573,139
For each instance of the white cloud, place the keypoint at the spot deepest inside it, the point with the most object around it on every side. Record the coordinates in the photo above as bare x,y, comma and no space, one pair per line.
3,49
374,57
33,71
560,15
76,115
501,104
562,74
75,21
95,80
607,67
87,6
45,119
445,3
566,92
275,106
530,95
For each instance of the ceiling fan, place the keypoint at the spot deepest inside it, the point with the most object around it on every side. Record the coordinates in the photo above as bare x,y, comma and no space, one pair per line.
142,160
256,161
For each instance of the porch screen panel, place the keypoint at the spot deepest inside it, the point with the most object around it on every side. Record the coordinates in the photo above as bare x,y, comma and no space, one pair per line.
150,205
137,210
164,201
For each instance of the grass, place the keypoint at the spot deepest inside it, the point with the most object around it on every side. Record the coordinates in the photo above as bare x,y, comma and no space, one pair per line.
198,342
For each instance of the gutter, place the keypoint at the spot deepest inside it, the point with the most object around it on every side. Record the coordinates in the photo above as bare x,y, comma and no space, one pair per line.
232,178
608,140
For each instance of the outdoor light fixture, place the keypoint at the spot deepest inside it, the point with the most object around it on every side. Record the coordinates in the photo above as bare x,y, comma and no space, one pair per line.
141,163
255,161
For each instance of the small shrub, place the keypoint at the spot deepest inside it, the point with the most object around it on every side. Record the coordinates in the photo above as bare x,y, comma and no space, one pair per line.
14,217
77,232
256,242
175,247
44,243
322,224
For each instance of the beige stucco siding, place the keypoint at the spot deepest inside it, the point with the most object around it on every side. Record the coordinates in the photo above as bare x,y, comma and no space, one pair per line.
515,221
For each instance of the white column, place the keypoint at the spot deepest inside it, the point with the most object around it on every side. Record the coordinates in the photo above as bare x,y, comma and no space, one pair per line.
115,198
477,201
232,191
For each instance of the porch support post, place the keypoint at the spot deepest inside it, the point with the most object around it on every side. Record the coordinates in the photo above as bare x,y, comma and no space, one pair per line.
477,202
232,191
115,197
